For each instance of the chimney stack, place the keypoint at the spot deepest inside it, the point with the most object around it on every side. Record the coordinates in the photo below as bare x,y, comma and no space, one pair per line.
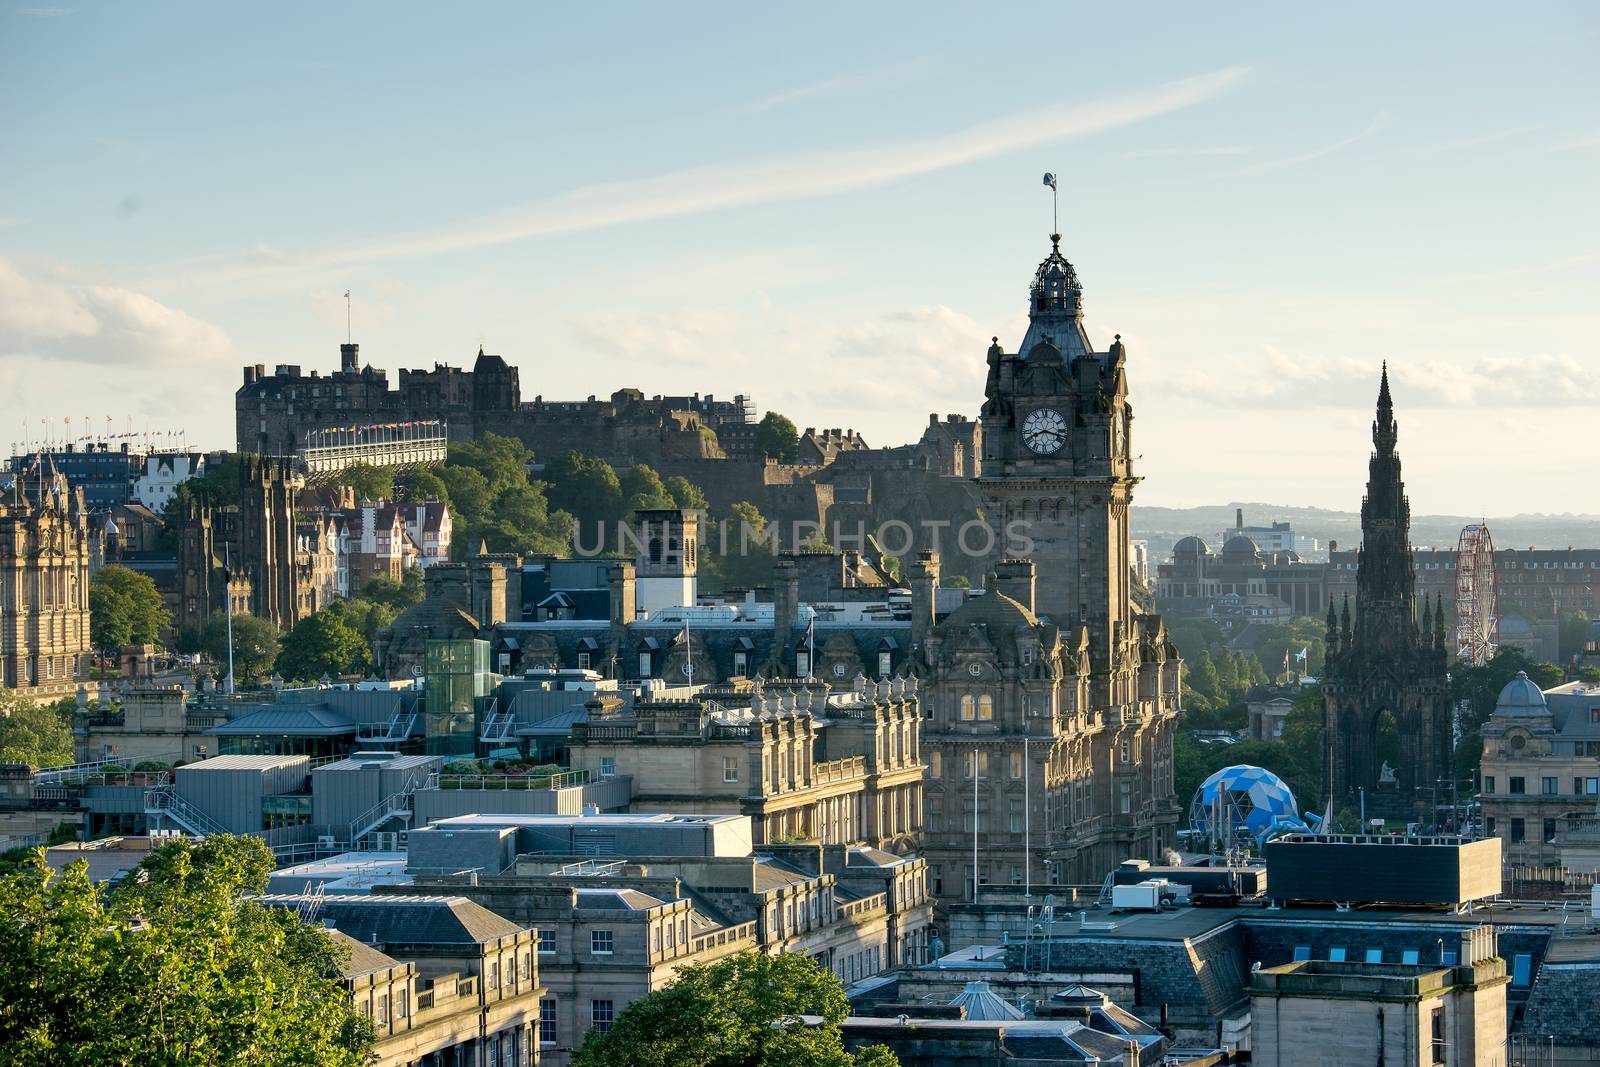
1014,578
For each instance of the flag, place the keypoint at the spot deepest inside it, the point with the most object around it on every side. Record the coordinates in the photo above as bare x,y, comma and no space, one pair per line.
1286,661
683,636
1302,654
1050,180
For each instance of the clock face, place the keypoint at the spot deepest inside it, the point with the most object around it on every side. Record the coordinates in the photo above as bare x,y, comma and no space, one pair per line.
1044,431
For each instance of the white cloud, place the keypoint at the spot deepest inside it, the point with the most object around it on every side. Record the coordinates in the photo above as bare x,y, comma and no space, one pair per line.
840,85
1278,379
1379,121
49,314
764,180
1167,153
43,12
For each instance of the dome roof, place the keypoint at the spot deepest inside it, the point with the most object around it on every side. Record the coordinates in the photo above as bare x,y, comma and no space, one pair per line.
1521,696
1191,546
1240,547
993,608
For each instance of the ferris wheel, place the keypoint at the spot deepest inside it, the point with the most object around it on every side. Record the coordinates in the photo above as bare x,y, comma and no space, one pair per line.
1477,601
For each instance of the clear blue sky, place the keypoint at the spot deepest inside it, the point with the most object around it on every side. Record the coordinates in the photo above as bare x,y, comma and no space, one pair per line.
833,207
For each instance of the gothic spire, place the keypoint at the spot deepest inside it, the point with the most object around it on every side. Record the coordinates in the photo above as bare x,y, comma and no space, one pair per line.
1385,430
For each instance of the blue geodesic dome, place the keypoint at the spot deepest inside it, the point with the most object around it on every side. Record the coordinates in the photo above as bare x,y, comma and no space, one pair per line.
1240,800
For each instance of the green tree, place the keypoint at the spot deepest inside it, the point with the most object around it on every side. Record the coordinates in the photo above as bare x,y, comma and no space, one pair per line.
685,494
423,485
468,492
400,595
776,437
125,608
748,561
643,490
255,645
369,482
324,645
742,1011
174,967
585,487
1571,633
39,735
1479,687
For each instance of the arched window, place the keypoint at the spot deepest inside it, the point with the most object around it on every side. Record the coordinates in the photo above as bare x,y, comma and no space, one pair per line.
968,706
986,707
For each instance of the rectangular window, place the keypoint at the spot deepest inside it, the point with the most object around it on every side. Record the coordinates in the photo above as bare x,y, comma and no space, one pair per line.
1374,955
730,768
1014,816
1411,956
1591,787
525,972
1577,787
1447,957
1519,831
885,664
402,1003
1437,1035
600,942
802,664
547,940
1518,786
936,814
547,1021
935,764
382,1016
1488,783
1302,952
1548,786
644,665
608,766
1336,954
601,1014
1016,874
1488,825
583,661
741,663
1522,969
1125,797
1549,831
1016,765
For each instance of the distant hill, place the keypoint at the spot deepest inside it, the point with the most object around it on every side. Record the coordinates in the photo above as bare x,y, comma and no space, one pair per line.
1162,527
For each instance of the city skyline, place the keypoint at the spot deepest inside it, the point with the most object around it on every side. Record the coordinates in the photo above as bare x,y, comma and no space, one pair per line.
1264,208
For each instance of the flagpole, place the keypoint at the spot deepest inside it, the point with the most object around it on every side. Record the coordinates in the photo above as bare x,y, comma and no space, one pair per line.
688,650
1027,821
976,765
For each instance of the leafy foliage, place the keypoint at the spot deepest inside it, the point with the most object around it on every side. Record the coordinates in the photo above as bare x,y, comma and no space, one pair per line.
328,643
1296,758
777,437
171,967
585,487
255,645
748,562
643,490
39,735
369,482
398,596
125,608
493,501
742,1011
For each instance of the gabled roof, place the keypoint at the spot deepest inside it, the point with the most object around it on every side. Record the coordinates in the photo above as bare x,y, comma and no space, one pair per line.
407,920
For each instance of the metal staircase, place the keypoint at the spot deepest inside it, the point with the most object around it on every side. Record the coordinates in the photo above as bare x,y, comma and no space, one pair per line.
164,803
497,726
394,806
392,732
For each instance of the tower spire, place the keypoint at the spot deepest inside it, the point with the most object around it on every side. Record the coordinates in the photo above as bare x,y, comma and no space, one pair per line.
1385,431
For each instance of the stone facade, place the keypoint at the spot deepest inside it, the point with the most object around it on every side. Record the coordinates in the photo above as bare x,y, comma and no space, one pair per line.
1541,771
1050,693
1391,660
1333,1013
803,763
47,547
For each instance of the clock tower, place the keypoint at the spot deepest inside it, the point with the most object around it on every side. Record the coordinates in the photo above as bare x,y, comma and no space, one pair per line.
1057,469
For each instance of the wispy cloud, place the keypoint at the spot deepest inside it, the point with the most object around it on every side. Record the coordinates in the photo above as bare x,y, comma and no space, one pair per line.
1591,140
1378,123
769,179
839,85
43,12
1477,140
1165,153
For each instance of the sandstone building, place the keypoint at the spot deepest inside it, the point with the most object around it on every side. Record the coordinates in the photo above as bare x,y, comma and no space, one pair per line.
47,546
1050,698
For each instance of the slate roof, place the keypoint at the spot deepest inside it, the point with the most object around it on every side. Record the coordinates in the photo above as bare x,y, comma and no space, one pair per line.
617,899
407,920
364,959
296,720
